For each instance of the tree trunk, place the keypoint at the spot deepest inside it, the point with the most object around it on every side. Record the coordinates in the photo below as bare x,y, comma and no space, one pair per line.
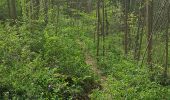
30,15
149,32
142,18
126,40
46,11
138,36
9,8
12,9
107,22
140,42
166,46
103,26
98,28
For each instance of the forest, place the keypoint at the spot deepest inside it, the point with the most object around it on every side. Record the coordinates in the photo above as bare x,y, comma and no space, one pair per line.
84,50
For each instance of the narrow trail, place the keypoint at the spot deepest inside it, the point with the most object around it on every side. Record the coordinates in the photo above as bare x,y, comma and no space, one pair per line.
91,61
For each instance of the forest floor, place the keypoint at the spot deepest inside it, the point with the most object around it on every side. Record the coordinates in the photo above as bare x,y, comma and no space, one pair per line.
92,62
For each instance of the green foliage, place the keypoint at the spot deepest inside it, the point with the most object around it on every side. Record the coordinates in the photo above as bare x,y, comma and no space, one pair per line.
126,80
41,60
42,64
65,53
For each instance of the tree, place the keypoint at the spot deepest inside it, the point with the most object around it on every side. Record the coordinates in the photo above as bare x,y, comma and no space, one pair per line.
149,16
107,22
46,11
126,37
12,9
139,34
103,25
98,27
166,45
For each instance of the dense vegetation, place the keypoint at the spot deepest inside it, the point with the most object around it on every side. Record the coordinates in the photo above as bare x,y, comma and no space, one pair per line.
84,49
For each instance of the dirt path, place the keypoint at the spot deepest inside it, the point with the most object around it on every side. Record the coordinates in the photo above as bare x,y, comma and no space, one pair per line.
92,62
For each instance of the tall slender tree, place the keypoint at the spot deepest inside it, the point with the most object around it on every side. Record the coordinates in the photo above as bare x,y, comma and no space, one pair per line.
126,36
107,22
166,44
46,11
12,9
139,35
98,28
149,14
103,25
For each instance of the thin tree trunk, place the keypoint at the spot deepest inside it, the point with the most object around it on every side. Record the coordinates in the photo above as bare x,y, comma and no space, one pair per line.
140,43
149,32
103,26
12,9
9,8
94,35
30,15
137,38
46,11
166,46
142,18
126,40
98,28
107,22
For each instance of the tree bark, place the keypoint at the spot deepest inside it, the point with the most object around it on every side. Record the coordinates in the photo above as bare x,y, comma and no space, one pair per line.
103,26
149,32
12,9
126,40
166,46
9,8
46,11
98,28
